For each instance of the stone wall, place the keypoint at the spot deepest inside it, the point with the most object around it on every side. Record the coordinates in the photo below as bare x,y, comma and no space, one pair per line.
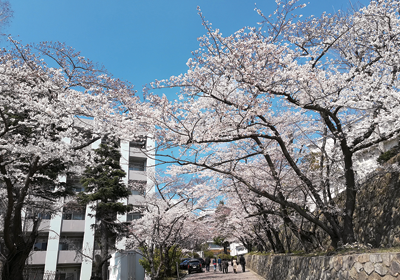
377,215
352,267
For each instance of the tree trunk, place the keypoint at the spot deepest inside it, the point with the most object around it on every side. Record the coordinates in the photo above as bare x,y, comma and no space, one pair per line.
19,244
288,240
270,239
104,251
14,264
351,191
278,243
168,270
225,249
246,243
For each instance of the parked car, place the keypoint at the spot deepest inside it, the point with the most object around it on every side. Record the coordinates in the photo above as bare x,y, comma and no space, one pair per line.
194,265
183,264
203,262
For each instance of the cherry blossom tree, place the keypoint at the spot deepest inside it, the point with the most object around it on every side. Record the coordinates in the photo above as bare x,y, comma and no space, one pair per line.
168,221
6,14
257,104
53,104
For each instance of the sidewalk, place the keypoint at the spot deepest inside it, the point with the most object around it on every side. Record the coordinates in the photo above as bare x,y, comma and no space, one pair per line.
248,275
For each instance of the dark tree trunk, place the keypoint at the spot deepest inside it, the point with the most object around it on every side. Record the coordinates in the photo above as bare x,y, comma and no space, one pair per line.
168,270
304,238
270,239
225,249
18,243
278,243
288,240
104,251
14,264
261,240
351,191
246,243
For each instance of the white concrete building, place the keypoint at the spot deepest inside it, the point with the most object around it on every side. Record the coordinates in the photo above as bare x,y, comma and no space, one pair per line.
55,253
237,249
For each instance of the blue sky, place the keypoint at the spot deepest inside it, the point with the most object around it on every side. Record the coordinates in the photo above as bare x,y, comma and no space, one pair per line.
139,41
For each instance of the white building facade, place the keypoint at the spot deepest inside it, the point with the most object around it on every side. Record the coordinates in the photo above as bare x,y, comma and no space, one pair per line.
237,249
55,255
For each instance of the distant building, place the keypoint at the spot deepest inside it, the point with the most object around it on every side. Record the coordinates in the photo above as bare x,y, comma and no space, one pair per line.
212,246
55,254
237,249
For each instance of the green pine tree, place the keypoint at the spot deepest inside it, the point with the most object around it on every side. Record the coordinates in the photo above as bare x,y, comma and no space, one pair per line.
103,188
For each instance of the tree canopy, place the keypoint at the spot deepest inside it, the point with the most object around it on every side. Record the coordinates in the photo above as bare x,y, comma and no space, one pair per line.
283,110
49,115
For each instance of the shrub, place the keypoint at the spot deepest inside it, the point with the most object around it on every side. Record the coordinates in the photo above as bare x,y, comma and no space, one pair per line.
225,256
384,157
208,254
174,256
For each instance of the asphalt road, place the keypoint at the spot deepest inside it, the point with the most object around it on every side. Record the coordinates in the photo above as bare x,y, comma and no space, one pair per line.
248,275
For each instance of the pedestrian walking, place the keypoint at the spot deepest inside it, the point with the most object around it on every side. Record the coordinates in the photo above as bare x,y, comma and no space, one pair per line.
219,264
215,265
225,266
242,262
234,264
207,262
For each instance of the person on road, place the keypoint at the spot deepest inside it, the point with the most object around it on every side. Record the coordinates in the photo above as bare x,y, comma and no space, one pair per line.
215,265
207,262
225,265
242,262
234,264
219,264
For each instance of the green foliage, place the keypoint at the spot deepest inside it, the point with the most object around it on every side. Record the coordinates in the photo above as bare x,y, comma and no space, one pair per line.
192,255
384,157
208,254
221,241
174,253
103,184
225,256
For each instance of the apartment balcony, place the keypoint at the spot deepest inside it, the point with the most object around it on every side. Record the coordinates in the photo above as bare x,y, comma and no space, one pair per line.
73,226
136,152
136,200
69,257
44,225
137,175
37,258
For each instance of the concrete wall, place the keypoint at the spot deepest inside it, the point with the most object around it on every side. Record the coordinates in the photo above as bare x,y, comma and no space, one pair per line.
124,265
352,267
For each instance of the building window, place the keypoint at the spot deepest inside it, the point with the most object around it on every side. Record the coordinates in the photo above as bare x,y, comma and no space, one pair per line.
74,212
139,144
34,273
44,216
135,165
239,248
133,216
75,184
137,187
70,243
40,246
35,214
78,189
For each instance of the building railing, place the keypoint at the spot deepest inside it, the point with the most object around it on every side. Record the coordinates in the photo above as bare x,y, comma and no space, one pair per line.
48,276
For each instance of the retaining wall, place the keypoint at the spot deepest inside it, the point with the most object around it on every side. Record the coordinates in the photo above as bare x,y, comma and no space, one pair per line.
352,267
